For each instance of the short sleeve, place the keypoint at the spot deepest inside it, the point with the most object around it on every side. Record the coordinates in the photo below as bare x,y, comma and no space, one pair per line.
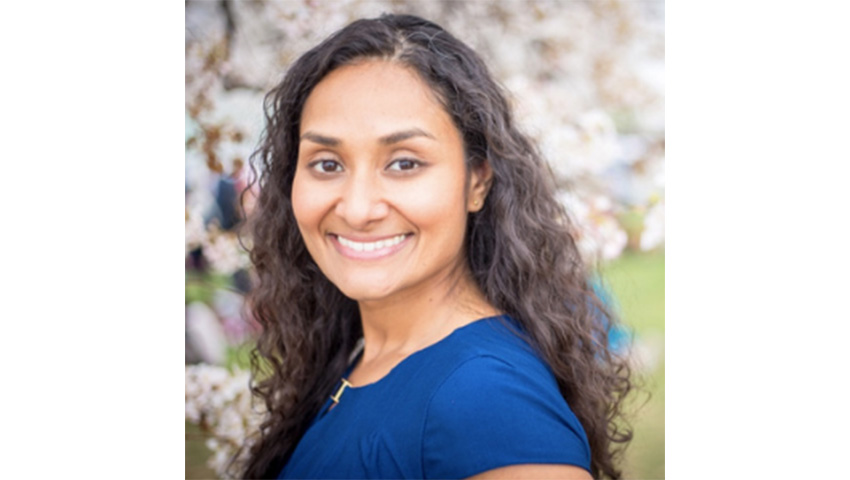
489,414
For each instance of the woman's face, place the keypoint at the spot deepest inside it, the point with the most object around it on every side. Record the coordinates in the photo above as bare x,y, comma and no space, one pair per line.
381,192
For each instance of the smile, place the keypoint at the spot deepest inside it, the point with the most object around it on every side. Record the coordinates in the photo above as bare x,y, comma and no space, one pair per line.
368,250
371,246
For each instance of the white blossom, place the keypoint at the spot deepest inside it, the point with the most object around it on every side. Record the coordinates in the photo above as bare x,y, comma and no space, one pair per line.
653,227
583,76
220,401
195,232
223,251
586,80
598,231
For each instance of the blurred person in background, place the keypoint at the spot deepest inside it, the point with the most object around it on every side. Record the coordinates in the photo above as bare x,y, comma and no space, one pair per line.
425,311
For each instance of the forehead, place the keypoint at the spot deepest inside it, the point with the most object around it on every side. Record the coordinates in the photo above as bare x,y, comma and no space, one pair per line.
371,94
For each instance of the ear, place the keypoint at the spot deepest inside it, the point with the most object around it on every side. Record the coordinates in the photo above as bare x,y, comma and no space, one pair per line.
480,179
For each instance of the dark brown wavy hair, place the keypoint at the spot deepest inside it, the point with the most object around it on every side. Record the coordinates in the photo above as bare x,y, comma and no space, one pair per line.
519,247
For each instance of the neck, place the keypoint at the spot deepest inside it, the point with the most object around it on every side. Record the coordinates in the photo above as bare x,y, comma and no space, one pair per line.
417,318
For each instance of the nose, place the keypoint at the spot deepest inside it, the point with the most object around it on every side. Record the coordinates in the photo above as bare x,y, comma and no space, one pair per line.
362,202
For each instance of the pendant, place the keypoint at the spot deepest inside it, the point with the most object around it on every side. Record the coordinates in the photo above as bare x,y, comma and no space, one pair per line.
335,397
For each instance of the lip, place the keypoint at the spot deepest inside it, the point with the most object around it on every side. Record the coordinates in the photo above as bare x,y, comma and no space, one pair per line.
376,254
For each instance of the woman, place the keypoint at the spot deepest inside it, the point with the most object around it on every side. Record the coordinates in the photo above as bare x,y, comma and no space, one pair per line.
400,204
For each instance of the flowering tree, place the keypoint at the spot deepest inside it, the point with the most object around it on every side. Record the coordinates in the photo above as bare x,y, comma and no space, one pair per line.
220,402
586,80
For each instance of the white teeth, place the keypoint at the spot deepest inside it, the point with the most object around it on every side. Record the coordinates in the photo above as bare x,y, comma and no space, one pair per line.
370,246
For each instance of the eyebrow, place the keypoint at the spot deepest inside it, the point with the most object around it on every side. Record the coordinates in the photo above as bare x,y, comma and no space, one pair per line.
404,135
385,140
321,139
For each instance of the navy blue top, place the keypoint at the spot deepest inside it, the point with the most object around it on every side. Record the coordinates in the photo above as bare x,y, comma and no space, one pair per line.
476,400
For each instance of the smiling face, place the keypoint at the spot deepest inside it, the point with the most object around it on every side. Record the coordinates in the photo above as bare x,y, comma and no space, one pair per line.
381,192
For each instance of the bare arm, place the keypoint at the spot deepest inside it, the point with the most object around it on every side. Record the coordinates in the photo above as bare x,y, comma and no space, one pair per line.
526,472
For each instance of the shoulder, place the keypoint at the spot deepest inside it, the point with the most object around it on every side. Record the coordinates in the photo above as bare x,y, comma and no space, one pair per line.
494,352
486,387
502,404
497,337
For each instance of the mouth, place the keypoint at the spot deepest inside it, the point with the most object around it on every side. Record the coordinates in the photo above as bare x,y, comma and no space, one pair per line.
369,249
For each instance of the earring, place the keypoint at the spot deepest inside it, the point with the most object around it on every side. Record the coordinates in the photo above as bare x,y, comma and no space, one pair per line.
475,203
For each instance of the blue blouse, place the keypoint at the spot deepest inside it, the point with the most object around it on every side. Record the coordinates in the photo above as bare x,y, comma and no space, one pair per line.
479,399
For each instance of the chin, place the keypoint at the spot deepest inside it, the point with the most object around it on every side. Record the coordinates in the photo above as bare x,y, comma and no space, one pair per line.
364,294
363,289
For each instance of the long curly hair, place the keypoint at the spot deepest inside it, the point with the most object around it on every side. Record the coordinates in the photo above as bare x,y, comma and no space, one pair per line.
520,249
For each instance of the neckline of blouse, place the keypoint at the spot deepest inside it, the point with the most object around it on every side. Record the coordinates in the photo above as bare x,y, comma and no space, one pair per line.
359,352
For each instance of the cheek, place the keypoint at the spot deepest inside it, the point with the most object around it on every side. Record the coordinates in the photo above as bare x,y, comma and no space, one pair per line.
437,208
306,204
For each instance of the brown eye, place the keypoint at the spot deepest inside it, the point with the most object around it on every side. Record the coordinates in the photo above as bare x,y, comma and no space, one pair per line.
404,164
326,166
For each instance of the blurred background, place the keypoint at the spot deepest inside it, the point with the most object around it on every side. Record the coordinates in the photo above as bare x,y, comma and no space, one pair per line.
587,82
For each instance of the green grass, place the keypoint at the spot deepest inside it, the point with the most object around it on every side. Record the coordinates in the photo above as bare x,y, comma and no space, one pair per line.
197,453
637,282
238,357
644,457
200,286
